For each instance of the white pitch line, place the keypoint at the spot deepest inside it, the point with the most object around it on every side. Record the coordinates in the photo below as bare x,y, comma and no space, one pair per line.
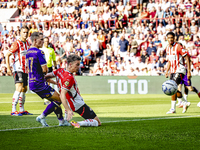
27,128
178,117
37,101
26,102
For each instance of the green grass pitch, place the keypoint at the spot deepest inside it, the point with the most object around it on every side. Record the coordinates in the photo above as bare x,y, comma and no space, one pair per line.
129,122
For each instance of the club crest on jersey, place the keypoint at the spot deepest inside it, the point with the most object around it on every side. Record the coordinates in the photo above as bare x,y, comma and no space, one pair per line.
66,83
42,52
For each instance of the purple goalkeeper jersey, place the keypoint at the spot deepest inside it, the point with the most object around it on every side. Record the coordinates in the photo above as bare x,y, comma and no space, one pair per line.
35,58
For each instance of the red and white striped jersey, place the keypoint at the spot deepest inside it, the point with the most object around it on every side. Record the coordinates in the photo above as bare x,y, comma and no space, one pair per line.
65,80
19,50
175,56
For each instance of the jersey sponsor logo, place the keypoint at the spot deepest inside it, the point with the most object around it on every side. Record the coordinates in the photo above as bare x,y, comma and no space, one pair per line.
60,74
31,51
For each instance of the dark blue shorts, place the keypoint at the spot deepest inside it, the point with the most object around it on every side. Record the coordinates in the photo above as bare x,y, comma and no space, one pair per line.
47,92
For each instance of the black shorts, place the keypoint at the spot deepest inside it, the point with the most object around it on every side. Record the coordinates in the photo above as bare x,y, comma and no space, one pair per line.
86,112
20,77
50,69
177,77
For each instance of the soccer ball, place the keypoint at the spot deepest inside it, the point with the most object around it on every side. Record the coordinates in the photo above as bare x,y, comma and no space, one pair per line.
169,87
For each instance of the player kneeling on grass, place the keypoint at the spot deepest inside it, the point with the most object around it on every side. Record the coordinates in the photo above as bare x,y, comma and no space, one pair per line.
70,95
37,68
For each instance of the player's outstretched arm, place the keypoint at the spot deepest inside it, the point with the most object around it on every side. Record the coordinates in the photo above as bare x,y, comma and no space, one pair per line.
64,102
49,76
51,81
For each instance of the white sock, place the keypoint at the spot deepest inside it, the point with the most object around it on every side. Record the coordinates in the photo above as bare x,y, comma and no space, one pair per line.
42,116
179,100
185,97
21,101
65,118
15,100
61,121
173,105
89,123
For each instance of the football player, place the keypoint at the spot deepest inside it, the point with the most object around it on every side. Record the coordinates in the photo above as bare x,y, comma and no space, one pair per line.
70,95
37,68
176,56
19,49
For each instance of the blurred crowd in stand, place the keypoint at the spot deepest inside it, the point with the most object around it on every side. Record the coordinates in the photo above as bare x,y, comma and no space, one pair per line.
107,35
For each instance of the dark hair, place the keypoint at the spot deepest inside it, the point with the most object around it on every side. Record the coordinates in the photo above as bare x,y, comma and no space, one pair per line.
24,27
35,35
72,58
180,43
46,38
171,33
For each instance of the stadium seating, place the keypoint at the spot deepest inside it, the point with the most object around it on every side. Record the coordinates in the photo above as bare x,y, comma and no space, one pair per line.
134,17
